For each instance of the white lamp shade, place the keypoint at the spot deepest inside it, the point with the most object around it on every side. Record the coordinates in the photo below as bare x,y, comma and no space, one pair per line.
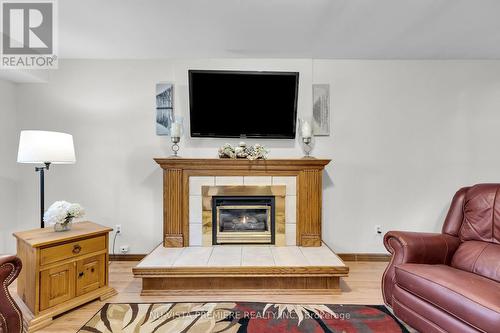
44,146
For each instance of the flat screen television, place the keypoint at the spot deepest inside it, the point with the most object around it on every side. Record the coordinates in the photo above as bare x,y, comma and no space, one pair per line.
242,104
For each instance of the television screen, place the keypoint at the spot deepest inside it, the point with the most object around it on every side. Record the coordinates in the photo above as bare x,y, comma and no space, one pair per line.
237,104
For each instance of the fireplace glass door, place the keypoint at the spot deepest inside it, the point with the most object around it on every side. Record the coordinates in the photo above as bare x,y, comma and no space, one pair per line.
243,220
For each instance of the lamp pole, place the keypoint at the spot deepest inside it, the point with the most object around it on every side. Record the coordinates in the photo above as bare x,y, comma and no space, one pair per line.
41,170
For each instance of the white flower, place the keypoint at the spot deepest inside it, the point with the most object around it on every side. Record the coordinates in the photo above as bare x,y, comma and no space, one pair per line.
60,205
75,210
60,211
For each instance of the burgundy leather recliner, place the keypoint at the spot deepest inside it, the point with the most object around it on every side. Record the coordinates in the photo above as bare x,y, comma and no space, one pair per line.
449,282
11,319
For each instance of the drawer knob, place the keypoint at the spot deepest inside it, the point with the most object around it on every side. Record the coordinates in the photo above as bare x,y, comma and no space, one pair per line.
80,274
76,249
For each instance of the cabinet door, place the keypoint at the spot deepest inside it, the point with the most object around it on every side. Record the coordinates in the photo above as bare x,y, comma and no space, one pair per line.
57,285
90,274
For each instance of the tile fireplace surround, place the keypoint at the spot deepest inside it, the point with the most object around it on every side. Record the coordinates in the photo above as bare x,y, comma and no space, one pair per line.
184,178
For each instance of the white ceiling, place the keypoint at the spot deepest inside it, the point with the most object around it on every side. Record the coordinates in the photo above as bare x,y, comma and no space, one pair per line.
355,29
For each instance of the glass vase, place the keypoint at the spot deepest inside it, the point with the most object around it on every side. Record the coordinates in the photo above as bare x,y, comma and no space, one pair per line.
64,226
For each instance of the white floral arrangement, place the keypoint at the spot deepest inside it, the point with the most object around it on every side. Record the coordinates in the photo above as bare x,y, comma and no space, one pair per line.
62,212
255,152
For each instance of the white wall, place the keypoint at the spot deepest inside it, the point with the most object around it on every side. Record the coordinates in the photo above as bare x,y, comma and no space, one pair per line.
406,135
8,166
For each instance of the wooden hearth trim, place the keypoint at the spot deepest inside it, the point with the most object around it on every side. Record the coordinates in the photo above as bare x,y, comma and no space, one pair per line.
247,271
166,280
334,290
158,286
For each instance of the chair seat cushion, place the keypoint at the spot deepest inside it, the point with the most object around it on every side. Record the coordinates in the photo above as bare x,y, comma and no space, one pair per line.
467,296
481,258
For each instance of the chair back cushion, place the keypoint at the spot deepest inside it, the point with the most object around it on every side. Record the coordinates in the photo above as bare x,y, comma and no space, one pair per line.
478,218
482,258
474,217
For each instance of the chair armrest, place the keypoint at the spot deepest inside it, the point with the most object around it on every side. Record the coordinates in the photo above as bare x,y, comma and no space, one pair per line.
12,319
10,267
420,247
416,248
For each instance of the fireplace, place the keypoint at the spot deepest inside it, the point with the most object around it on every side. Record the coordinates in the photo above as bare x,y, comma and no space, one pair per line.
243,214
243,220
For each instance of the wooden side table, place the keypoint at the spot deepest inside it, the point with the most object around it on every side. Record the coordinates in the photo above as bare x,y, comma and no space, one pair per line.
61,270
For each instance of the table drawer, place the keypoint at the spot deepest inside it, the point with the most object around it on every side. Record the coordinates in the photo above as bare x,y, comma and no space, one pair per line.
72,249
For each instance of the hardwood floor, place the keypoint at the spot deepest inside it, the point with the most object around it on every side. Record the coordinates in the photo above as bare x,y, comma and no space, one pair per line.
361,287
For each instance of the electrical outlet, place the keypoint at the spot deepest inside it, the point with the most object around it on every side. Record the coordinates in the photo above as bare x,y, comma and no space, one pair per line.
124,249
118,228
378,229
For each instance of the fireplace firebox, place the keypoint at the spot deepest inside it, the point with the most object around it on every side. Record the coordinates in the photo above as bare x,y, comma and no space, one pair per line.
243,220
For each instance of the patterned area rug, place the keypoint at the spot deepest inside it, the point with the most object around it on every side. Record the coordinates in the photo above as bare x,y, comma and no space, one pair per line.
241,317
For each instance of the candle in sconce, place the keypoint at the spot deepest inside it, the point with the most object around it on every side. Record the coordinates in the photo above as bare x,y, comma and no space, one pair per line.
306,130
175,130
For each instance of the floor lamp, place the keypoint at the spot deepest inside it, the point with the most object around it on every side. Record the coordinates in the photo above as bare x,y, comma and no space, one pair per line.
46,148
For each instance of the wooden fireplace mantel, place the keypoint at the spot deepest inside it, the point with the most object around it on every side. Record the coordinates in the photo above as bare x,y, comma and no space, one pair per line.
176,173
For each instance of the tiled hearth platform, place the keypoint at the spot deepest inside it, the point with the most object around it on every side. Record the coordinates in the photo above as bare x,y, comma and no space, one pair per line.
241,269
